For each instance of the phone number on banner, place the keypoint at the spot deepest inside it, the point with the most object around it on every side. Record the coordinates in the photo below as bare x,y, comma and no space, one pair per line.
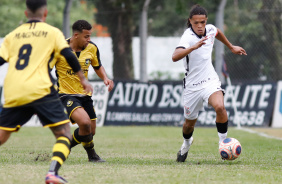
248,118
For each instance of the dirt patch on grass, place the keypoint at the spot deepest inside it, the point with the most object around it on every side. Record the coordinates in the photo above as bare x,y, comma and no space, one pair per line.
276,132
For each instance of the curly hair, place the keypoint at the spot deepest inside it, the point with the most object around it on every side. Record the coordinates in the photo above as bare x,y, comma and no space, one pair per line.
80,25
196,10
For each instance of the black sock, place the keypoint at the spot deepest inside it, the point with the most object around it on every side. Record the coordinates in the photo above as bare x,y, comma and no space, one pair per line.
187,136
89,148
222,127
77,139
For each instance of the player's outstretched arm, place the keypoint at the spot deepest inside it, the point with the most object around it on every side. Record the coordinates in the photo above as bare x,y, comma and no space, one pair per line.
180,52
234,49
102,74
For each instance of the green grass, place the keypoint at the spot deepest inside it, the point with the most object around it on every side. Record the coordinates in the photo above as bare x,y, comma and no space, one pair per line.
143,155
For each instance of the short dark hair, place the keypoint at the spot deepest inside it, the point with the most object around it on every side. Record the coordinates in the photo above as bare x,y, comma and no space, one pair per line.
196,10
80,25
34,5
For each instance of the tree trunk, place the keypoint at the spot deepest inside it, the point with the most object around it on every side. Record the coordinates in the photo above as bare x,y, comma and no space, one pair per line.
117,15
66,21
143,34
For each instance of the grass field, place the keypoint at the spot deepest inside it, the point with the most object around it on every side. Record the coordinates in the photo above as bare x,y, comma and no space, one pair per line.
143,155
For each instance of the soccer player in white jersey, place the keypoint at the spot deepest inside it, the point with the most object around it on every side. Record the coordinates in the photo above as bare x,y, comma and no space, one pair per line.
201,82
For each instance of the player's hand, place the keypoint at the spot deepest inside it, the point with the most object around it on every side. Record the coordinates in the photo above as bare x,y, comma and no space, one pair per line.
86,86
238,50
109,83
84,82
200,43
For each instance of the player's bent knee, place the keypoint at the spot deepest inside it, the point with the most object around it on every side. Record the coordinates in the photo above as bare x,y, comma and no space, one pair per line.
84,123
220,109
62,130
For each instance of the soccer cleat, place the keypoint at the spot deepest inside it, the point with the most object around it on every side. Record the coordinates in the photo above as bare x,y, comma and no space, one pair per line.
54,179
183,152
95,157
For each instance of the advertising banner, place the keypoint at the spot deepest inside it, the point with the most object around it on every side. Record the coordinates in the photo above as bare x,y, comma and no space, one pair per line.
134,103
277,112
254,103
160,103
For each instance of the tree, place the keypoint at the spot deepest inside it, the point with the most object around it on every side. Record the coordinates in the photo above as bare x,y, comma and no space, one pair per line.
270,15
117,15
12,14
66,22
122,18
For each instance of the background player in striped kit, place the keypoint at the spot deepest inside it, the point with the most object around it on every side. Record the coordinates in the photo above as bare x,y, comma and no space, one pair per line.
78,104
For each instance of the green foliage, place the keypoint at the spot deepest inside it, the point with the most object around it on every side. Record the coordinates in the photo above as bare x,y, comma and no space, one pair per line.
12,13
246,28
138,155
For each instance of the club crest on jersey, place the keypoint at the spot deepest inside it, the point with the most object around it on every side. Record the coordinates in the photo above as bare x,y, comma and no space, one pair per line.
87,62
69,103
187,111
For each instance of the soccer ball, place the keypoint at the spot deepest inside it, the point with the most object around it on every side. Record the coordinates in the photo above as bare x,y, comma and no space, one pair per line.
230,149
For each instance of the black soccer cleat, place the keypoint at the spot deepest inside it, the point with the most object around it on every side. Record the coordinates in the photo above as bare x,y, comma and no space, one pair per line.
181,158
95,158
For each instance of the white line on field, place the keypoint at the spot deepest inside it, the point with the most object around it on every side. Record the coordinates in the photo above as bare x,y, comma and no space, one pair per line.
259,133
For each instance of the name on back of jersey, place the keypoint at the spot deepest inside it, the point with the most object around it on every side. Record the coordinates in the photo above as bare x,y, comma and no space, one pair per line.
31,34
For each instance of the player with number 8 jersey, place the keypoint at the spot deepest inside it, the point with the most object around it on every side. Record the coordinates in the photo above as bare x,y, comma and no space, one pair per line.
23,56
28,86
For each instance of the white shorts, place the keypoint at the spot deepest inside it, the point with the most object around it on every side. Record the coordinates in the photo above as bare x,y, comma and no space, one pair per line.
194,101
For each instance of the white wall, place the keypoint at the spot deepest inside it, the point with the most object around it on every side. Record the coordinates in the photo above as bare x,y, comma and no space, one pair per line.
159,52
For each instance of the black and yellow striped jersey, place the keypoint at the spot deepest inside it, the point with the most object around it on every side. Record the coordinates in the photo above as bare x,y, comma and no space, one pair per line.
68,81
29,49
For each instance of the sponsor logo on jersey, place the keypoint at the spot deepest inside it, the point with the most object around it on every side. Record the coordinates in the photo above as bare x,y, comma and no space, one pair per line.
201,82
69,103
70,72
87,62
210,29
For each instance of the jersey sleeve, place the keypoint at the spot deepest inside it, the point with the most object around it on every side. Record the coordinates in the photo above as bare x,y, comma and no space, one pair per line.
96,62
4,53
184,41
214,29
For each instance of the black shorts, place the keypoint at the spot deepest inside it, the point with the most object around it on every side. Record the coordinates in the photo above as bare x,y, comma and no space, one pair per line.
49,110
72,102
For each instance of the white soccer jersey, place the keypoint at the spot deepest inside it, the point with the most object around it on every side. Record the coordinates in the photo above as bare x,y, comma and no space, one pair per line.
198,64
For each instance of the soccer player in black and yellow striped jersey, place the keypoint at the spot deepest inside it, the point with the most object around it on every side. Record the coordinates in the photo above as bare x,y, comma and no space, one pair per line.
28,86
78,104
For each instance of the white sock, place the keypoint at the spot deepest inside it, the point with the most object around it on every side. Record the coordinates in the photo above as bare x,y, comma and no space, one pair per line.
186,145
187,141
222,136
